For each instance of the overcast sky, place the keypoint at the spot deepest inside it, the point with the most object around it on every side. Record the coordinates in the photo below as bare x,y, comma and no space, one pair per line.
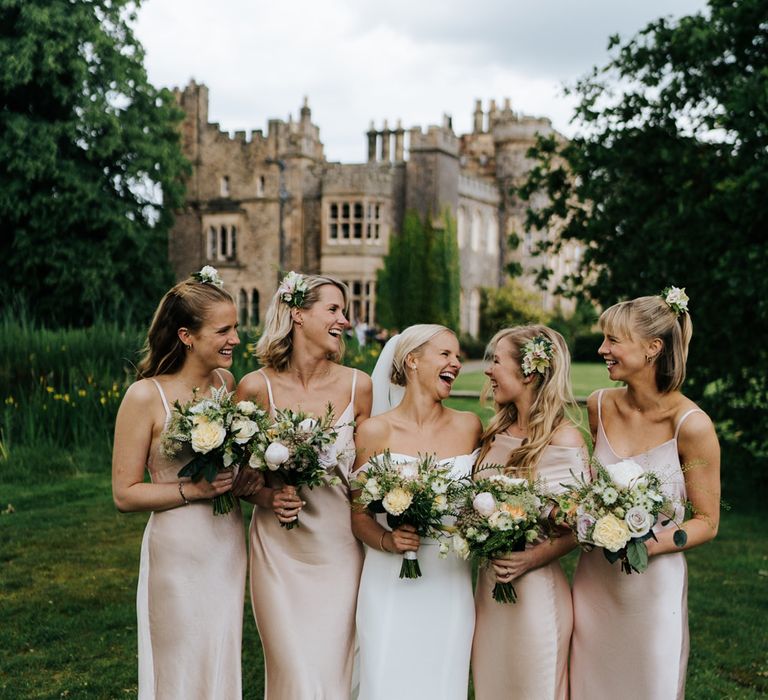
358,60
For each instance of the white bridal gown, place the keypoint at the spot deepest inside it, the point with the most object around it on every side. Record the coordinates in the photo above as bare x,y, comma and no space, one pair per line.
415,635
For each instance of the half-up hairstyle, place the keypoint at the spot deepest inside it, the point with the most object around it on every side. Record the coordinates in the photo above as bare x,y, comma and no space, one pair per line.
648,318
410,342
183,306
551,405
276,343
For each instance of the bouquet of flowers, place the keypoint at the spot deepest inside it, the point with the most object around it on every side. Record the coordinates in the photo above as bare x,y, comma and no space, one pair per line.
617,511
499,514
417,492
219,431
301,449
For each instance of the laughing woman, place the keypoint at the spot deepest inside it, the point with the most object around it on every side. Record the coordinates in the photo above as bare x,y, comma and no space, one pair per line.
520,650
192,571
631,631
304,580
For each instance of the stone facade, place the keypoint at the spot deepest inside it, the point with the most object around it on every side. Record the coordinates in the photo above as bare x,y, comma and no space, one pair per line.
258,204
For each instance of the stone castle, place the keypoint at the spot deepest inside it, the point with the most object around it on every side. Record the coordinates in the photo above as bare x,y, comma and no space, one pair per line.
260,203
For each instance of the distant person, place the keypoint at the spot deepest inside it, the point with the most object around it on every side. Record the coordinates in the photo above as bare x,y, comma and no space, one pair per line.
192,570
630,634
520,650
361,333
304,580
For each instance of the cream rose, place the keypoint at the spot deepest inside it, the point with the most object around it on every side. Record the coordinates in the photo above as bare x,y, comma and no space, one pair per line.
372,487
441,502
396,502
275,455
625,472
611,533
244,430
247,408
484,503
207,436
639,521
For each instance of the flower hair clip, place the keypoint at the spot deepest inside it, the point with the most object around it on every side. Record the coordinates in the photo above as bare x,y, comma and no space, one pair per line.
537,355
293,289
676,299
209,275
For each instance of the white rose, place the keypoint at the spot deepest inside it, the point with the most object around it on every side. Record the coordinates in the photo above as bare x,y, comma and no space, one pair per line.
625,472
327,457
611,533
501,521
461,546
372,487
244,430
247,408
396,502
255,462
307,425
275,455
441,502
207,436
484,503
408,470
639,521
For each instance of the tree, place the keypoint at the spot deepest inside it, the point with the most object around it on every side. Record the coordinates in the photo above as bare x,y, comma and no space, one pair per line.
666,185
90,162
419,282
510,305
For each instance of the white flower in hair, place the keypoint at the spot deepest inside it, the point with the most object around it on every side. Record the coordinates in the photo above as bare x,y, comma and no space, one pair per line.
676,299
537,355
209,275
293,289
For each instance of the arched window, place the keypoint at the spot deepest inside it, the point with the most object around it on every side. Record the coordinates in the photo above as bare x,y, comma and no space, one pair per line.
475,233
255,318
474,313
492,236
242,307
461,227
213,244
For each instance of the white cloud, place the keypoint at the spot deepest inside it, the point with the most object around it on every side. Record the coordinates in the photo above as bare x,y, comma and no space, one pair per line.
362,60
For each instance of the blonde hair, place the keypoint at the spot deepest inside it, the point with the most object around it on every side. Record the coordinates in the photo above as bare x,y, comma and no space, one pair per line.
276,343
410,342
182,306
648,318
554,399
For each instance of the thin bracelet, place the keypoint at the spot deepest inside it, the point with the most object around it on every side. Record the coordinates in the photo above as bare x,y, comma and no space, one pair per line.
381,542
181,493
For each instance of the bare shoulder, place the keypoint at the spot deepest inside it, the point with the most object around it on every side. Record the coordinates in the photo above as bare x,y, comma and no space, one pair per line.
142,393
374,432
466,422
229,378
567,435
696,425
252,386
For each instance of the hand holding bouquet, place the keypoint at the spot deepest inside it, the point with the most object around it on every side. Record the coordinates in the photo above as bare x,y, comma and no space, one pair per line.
418,492
617,512
499,514
301,449
219,431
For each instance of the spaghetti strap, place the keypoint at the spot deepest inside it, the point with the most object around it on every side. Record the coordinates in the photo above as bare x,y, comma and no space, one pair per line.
269,390
221,377
165,401
682,420
354,384
600,407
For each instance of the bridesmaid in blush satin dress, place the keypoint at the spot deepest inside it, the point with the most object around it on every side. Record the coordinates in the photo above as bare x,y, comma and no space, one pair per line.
631,631
520,650
415,634
304,581
192,570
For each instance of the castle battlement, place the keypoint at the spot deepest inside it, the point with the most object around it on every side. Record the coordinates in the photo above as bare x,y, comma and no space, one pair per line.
473,188
436,138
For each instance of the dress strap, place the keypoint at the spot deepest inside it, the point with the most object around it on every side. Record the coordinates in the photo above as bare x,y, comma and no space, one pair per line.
600,407
162,396
221,377
682,420
354,384
269,390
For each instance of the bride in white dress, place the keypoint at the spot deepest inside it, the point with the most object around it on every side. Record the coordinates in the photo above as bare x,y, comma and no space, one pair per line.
415,635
